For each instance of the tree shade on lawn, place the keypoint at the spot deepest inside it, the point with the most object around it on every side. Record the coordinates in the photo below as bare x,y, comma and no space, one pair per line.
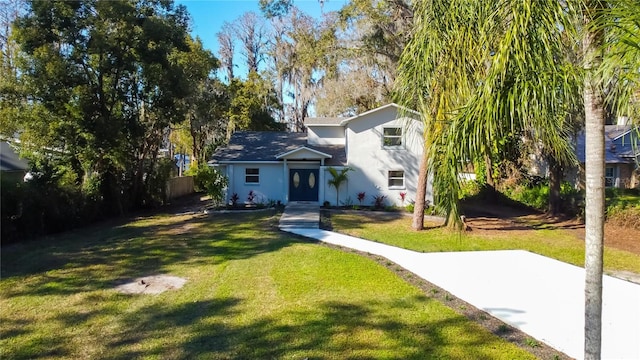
252,292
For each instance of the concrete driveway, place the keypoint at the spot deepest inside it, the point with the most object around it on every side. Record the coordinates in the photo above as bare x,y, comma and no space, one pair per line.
542,297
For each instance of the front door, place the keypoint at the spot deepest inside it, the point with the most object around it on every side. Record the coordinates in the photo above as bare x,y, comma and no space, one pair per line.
303,184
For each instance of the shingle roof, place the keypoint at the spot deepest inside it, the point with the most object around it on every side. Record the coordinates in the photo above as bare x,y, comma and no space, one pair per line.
9,160
616,151
266,145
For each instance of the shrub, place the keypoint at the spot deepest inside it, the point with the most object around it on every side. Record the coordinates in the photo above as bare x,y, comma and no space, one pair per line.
624,216
251,197
155,183
234,199
410,207
209,180
623,207
378,201
46,204
469,188
348,202
535,194
536,197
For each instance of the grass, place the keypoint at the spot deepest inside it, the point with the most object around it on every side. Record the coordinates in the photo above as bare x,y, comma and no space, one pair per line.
622,197
252,293
545,240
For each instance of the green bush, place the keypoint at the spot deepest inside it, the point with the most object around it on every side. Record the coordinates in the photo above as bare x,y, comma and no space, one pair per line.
536,197
625,216
469,188
209,180
428,209
623,207
410,207
42,206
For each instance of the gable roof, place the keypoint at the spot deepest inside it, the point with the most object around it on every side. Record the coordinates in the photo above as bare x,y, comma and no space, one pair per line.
304,149
615,132
262,146
342,121
616,152
9,159
401,109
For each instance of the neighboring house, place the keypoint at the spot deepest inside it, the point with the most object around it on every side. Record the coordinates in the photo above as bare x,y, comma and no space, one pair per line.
382,146
12,167
622,154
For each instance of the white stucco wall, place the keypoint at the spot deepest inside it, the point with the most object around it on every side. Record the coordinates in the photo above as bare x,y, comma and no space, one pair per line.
371,161
329,193
325,135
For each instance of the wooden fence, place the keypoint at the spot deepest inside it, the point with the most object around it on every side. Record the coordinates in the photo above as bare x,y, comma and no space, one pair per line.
179,186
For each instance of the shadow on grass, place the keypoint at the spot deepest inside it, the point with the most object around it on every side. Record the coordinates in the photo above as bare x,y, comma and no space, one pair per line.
221,327
101,257
332,330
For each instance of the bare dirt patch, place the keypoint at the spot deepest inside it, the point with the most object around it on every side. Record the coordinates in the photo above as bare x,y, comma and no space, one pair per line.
154,284
495,220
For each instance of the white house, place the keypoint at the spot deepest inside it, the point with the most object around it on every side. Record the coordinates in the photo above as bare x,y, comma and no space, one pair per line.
383,147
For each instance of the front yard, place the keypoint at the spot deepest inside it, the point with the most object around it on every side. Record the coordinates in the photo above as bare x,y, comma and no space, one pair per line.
252,292
562,240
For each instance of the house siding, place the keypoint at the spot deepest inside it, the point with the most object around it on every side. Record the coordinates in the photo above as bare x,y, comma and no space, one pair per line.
361,146
371,160
628,177
270,187
325,135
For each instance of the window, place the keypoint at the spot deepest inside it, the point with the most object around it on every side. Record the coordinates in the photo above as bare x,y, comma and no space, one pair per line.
609,177
392,136
252,176
396,179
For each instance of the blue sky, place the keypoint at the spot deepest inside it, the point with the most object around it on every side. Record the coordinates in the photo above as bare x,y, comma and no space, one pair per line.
209,15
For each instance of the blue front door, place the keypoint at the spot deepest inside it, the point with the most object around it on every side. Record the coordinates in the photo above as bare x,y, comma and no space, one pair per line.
303,184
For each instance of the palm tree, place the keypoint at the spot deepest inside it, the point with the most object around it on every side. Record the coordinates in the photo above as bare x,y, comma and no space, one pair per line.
441,81
337,178
526,84
594,180
477,61
611,62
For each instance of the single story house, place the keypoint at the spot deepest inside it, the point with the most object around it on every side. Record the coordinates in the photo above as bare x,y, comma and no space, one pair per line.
382,147
622,153
12,167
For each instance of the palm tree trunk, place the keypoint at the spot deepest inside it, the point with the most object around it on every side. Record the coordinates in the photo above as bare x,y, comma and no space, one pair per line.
421,193
594,173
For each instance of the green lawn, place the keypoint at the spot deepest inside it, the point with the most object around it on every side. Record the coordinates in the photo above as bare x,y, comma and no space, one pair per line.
546,240
252,293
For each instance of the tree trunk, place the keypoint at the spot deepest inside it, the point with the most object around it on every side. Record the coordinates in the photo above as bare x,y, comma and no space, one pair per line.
491,194
594,173
555,180
421,193
488,164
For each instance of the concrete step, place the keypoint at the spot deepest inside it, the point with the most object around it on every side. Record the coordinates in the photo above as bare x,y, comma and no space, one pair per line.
300,226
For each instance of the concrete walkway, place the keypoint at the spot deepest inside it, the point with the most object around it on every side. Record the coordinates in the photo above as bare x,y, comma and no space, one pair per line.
300,215
542,297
